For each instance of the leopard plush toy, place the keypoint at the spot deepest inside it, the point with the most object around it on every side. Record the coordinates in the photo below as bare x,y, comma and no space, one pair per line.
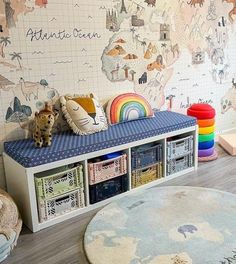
44,121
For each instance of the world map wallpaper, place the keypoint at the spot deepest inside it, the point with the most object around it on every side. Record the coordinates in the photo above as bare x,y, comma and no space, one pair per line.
174,53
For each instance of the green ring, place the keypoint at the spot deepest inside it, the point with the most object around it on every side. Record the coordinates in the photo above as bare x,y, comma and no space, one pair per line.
208,137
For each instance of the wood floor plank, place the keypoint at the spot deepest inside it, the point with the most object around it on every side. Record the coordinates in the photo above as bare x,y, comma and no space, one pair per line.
63,243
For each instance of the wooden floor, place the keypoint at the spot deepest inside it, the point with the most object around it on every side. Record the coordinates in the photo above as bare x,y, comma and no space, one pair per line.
63,244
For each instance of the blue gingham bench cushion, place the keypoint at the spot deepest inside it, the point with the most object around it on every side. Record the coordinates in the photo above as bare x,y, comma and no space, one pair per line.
66,144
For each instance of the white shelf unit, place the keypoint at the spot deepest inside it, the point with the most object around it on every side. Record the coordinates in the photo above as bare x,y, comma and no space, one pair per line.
21,185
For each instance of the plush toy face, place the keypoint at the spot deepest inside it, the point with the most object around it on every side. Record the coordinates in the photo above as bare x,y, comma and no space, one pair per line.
46,120
84,114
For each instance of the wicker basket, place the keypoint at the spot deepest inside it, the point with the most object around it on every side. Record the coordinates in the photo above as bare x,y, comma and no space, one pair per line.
146,175
55,182
107,169
179,147
145,156
104,190
53,207
180,164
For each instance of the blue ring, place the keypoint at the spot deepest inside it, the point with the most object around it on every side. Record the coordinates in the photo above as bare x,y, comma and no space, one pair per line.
206,145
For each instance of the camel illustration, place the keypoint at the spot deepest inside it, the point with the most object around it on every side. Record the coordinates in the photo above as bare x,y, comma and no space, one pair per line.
157,64
229,100
194,2
29,88
233,11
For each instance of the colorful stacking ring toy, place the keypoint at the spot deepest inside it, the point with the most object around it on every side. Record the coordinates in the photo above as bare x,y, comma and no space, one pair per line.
204,138
206,122
210,158
206,152
205,115
206,145
206,130
200,111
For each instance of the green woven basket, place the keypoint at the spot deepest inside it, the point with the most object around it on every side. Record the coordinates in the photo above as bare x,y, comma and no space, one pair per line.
56,182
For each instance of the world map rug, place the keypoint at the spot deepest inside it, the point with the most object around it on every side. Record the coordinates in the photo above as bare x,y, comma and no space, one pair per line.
167,225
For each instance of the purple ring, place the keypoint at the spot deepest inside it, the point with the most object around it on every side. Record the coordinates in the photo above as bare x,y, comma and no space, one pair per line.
206,152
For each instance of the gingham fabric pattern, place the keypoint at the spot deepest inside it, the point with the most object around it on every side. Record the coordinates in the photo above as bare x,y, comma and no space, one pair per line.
67,144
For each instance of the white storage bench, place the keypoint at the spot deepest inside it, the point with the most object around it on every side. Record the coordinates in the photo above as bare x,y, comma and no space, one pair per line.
76,193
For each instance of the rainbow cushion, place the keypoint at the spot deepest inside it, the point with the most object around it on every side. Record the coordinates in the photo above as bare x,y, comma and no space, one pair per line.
206,145
206,130
204,138
128,107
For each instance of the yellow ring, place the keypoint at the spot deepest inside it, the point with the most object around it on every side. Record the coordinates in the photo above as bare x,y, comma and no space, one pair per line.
206,130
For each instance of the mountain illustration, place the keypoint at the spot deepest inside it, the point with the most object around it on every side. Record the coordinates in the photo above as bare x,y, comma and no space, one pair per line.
18,113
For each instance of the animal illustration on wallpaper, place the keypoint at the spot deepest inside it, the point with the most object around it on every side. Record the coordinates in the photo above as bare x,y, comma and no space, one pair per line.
143,78
195,2
232,13
9,13
18,113
28,89
41,3
229,100
150,2
157,64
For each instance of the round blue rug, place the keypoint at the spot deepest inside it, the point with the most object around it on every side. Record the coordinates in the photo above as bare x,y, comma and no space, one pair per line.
168,225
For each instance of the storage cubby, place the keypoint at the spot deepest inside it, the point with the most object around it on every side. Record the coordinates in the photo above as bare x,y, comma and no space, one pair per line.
107,176
146,163
107,167
107,189
179,153
59,191
51,193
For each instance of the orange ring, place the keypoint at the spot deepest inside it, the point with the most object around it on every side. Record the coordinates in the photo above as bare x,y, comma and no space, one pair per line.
206,122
